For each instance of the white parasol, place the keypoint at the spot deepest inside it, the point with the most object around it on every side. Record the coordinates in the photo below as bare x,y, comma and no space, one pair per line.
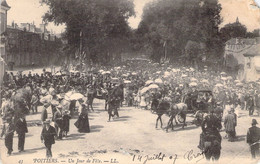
158,81
223,78
237,81
153,86
204,81
219,85
144,90
229,78
127,81
239,84
193,84
76,96
223,73
148,82
193,79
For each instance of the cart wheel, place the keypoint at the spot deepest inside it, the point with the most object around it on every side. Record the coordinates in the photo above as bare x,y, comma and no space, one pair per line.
179,118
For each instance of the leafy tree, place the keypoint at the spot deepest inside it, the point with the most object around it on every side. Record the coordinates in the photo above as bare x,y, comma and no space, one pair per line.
233,30
253,34
175,22
95,27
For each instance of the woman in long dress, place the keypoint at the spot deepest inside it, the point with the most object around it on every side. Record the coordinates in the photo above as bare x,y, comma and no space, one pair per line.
83,123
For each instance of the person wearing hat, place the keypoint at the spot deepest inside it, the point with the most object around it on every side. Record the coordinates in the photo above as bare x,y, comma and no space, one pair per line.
83,122
21,129
210,125
48,137
66,122
58,122
253,138
230,123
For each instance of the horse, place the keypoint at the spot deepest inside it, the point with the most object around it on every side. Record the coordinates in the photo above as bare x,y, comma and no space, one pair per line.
173,110
178,111
163,108
212,147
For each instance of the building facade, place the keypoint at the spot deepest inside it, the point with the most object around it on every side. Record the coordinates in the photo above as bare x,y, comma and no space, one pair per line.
3,25
241,55
28,45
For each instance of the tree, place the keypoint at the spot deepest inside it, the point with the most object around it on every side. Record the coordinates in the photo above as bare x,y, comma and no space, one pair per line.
233,30
96,27
175,22
253,34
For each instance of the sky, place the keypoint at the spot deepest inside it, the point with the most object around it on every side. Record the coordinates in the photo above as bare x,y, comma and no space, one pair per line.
23,11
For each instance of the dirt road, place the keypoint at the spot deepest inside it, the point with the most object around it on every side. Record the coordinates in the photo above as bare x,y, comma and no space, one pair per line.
132,138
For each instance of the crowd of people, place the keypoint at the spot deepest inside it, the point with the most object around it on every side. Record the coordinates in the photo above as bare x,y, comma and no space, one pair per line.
138,83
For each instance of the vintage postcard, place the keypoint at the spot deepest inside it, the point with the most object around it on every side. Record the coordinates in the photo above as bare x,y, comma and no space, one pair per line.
130,81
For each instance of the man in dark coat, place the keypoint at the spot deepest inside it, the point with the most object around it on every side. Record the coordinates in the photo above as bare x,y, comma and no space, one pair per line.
9,135
48,136
250,105
210,125
253,138
21,129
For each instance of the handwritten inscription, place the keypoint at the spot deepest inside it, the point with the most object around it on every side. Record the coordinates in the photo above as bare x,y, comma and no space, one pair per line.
190,155
160,157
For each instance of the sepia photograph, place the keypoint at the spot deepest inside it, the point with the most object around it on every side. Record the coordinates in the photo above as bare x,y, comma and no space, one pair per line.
130,82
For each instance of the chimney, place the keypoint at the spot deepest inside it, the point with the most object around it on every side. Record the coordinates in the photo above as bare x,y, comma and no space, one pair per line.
43,28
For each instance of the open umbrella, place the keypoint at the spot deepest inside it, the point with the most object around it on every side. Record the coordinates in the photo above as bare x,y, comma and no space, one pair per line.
76,96
127,81
219,85
68,94
144,90
237,81
239,84
58,74
193,84
229,78
158,81
153,86
166,74
148,82
204,81
193,79
223,73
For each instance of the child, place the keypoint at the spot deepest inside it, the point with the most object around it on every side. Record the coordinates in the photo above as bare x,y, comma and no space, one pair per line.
48,134
66,122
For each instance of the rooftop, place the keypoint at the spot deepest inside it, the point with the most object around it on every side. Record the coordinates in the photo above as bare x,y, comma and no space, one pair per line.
4,3
246,41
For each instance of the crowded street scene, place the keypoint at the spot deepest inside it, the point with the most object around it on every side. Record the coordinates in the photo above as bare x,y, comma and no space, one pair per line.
106,92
